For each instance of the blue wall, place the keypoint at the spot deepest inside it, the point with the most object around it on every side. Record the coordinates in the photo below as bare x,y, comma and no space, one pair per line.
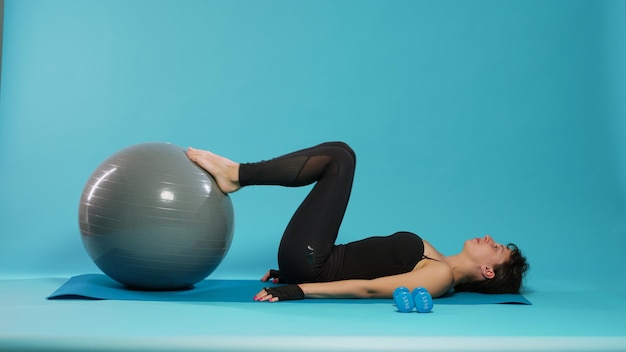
499,117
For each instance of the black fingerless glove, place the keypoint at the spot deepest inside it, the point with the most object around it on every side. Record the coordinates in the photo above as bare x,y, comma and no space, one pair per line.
277,277
286,293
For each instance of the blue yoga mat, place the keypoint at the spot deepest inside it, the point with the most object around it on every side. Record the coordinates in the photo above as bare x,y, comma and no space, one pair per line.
101,287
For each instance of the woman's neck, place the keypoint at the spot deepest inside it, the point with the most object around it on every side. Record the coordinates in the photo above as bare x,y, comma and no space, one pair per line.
462,268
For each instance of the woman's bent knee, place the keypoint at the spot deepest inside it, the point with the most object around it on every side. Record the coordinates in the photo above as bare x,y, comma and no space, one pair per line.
341,148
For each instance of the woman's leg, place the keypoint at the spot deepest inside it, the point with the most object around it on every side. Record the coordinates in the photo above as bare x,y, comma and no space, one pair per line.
310,235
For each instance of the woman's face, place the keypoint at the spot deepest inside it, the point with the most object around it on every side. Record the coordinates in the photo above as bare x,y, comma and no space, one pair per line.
486,251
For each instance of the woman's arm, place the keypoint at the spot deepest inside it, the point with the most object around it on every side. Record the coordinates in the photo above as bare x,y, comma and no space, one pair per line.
435,277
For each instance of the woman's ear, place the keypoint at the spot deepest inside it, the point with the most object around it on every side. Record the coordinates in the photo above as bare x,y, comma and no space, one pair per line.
487,272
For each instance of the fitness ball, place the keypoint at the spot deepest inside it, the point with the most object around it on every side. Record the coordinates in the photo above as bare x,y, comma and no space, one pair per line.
152,219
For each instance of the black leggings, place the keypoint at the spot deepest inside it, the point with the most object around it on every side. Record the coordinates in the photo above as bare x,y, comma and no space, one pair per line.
306,252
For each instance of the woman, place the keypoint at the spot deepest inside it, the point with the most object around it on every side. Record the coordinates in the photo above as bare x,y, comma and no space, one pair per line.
315,267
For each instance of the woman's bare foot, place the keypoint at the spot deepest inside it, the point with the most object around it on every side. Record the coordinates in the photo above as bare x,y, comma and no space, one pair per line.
225,171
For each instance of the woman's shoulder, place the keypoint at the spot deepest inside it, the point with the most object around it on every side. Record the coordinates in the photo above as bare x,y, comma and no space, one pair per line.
436,264
431,252
436,275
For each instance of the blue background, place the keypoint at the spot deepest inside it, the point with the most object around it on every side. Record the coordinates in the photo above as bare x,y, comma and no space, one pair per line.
499,117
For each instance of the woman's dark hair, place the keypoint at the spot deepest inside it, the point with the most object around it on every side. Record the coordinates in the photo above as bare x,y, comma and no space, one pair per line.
508,276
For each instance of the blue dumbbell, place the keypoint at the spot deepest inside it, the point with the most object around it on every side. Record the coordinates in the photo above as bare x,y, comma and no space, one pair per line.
423,300
403,299
419,300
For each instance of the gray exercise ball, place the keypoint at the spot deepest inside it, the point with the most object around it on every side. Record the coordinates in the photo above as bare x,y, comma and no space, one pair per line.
152,219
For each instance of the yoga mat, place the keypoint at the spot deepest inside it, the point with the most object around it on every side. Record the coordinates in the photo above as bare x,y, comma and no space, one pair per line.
101,287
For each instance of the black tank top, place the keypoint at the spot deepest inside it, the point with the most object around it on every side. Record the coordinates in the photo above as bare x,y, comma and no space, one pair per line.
380,256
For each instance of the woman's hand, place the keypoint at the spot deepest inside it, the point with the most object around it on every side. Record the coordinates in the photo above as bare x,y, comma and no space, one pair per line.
274,276
280,293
